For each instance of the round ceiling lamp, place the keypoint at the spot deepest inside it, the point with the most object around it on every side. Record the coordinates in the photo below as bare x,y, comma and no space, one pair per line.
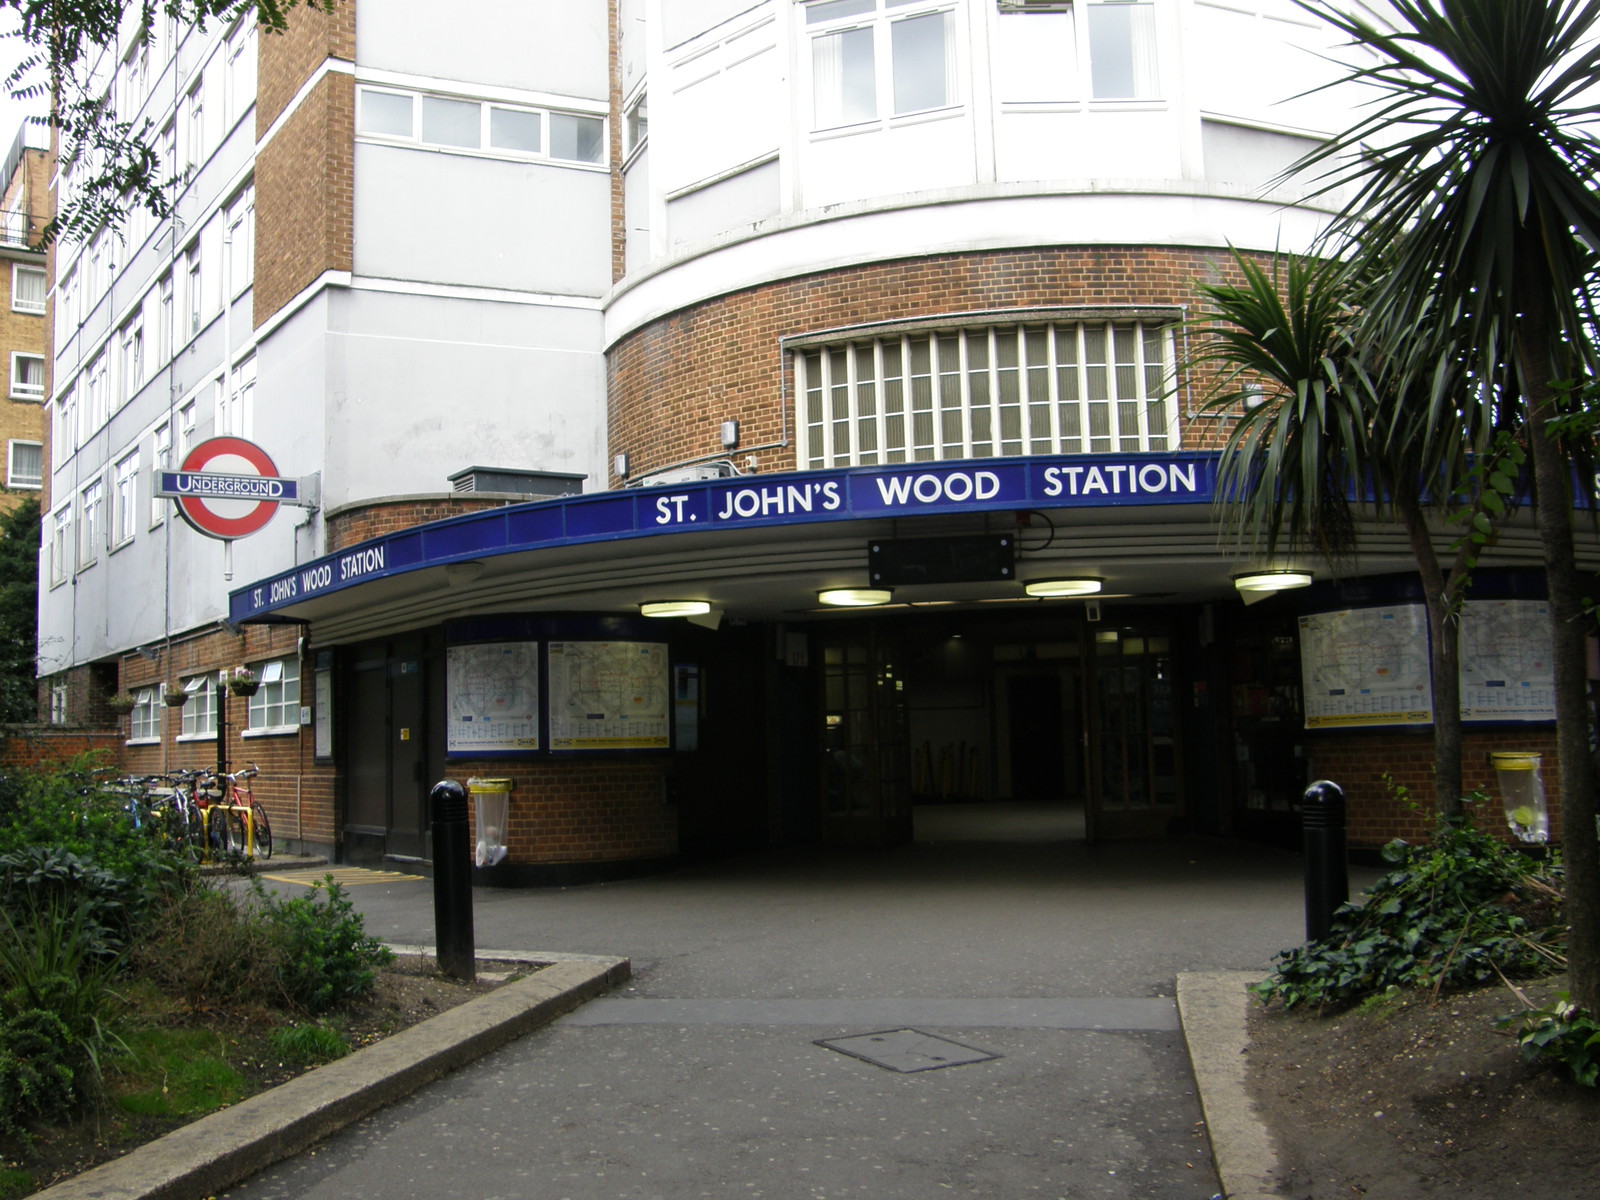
675,608
1272,581
1056,589
855,597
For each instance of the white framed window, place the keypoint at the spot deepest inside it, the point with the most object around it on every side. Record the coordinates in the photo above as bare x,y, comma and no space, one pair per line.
131,374
241,234
27,289
67,315
145,721
241,69
276,705
1122,50
167,150
194,292
200,711
27,377
125,500
187,417
61,544
92,524
492,128
877,59
58,702
194,129
64,438
235,407
982,391
160,457
24,465
164,310
636,128
98,410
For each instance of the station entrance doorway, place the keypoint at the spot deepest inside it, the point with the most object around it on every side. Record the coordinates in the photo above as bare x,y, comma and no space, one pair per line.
978,728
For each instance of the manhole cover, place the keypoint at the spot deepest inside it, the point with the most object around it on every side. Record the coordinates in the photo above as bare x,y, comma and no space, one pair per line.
906,1050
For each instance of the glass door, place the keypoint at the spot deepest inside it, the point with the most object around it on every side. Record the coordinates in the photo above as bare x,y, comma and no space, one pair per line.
1134,747
866,786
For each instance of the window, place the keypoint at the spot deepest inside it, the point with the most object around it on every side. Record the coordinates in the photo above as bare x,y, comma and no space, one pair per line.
876,58
161,457
91,528
145,725
167,150
61,544
131,374
67,316
477,125
241,235
194,294
235,415
58,702
27,377
194,130
200,711
979,392
638,123
276,704
64,439
27,289
125,499
98,411
25,465
1122,50
186,430
164,317
241,69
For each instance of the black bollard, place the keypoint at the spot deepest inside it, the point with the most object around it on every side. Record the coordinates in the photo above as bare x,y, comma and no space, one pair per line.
452,880
1327,878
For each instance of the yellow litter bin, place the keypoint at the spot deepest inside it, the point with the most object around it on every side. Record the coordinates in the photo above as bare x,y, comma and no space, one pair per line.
1522,792
491,803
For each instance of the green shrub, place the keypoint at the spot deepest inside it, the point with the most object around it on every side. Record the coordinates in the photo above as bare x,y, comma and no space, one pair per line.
207,945
1562,1033
38,1077
326,956
1453,913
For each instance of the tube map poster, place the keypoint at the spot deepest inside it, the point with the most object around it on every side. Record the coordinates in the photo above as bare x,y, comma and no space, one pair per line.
493,697
609,696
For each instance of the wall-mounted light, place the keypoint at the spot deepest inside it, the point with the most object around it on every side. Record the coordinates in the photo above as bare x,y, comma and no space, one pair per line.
619,466
855,597
1271,581
674,608
730,434
1055,589
1254,397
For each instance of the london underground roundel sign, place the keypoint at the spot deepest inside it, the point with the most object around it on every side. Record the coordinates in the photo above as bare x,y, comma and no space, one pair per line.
228,488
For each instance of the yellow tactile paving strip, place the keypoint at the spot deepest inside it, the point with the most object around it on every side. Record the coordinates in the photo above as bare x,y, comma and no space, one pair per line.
344,876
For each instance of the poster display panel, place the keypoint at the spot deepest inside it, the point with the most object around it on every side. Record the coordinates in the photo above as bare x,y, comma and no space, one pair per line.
1366,666
1507,672
609,696
493,698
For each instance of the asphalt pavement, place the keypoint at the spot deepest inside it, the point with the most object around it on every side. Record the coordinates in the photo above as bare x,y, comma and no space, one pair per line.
982,1019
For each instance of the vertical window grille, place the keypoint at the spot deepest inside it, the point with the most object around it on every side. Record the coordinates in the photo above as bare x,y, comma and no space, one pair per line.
1091,388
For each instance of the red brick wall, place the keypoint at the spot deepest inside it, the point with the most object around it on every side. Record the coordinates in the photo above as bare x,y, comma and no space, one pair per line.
51,746
1357,762
361,522
674,381
583,811
297,793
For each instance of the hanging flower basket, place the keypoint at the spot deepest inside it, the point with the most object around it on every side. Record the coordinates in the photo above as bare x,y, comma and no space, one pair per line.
174,697
121,702
243,682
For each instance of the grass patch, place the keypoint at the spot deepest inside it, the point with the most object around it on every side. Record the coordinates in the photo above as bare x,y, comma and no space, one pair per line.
306,1045
176,1072
16,1182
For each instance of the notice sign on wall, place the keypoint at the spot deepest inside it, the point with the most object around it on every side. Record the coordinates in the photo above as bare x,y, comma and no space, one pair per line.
493,698
1366,666
1507,673
609,696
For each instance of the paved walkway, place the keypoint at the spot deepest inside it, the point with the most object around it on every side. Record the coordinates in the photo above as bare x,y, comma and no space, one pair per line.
725,1066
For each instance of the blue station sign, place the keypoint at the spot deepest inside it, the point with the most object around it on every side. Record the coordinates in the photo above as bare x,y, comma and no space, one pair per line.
789,499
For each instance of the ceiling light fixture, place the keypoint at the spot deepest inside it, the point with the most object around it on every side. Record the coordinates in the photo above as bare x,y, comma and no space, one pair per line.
675,608
1055,589
1272,581
855,597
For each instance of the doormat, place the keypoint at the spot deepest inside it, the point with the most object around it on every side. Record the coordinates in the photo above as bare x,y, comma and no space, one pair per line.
907,1050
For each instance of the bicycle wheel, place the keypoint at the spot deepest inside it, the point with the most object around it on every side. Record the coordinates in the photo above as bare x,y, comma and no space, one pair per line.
263,829
174,818
222,837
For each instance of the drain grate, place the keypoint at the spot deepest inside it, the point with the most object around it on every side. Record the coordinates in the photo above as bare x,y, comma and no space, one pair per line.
906,1050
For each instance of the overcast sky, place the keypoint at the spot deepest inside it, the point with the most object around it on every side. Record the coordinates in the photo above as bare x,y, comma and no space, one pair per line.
12,111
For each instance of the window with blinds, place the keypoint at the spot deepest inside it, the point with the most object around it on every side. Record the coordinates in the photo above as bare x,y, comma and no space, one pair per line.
1098,387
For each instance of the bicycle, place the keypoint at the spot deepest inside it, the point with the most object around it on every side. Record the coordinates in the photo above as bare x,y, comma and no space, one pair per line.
243,825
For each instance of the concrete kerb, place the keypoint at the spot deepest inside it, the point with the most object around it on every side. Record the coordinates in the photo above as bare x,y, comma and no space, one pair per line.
203,1158
1212,1008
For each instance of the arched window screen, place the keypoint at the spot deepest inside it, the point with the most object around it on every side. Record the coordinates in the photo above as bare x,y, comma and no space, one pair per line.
982,392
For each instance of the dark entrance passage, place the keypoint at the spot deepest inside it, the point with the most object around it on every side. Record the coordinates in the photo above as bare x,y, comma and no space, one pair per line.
1038,770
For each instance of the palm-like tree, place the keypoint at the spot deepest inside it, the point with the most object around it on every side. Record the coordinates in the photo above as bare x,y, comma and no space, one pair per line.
1327,425
1475,170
